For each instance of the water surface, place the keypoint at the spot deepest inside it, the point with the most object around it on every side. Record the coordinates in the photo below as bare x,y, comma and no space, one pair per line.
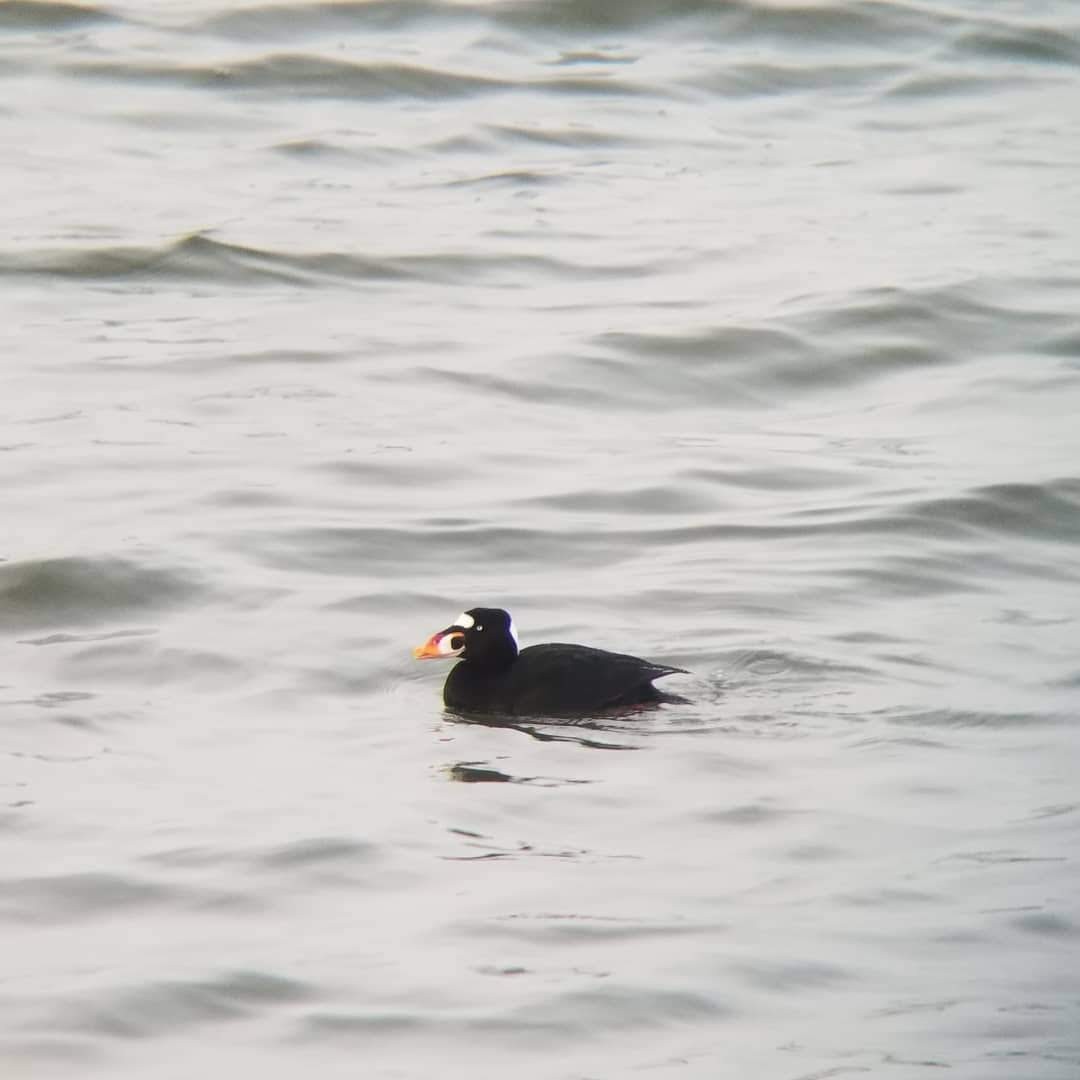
740,336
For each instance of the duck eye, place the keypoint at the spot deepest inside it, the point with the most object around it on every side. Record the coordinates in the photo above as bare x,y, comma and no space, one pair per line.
478,628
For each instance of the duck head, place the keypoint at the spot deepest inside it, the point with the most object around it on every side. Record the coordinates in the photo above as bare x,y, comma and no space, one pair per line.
484,637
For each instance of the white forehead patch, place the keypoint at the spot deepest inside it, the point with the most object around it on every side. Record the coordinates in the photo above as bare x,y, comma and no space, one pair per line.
513,633
465,620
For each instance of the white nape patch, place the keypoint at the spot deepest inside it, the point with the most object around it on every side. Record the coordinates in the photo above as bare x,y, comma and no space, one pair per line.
513,633
467,621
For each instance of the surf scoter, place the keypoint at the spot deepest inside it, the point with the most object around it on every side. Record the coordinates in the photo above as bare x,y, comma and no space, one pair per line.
492,676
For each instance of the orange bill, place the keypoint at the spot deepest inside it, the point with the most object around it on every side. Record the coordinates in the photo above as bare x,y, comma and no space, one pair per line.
430,649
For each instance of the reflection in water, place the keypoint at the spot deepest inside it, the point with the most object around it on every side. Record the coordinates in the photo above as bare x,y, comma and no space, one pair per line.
470,772
488,848
534,732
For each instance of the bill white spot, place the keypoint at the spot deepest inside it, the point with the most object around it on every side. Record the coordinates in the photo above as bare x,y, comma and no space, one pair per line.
446,645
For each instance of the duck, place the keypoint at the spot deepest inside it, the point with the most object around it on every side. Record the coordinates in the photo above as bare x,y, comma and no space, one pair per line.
494,675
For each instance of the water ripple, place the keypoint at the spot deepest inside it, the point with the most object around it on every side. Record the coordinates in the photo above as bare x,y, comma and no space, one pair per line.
159,1008
42,15
67,897
199,258
81,590
309,76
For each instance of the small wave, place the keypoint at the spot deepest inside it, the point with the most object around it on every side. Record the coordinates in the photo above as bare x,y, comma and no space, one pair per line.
647,500
147,663
573,138
620,529
887,896
1005,50
45,16
323,151
312,76
1065,345
299,75
615,1007
377,549
317,148
552,928
757,80
158,1008
79,590
569,1016
753,665
67,897
789,477
736,17
994,39
963,718
571,17
55,699
755,366
198,258
752,815
323,1026
34,1053
837,24
1049,511
287,22
860,339
317,853
512,178
939,86
791,976
1046,924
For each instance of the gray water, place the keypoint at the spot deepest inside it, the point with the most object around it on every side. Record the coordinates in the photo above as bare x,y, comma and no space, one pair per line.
741,336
